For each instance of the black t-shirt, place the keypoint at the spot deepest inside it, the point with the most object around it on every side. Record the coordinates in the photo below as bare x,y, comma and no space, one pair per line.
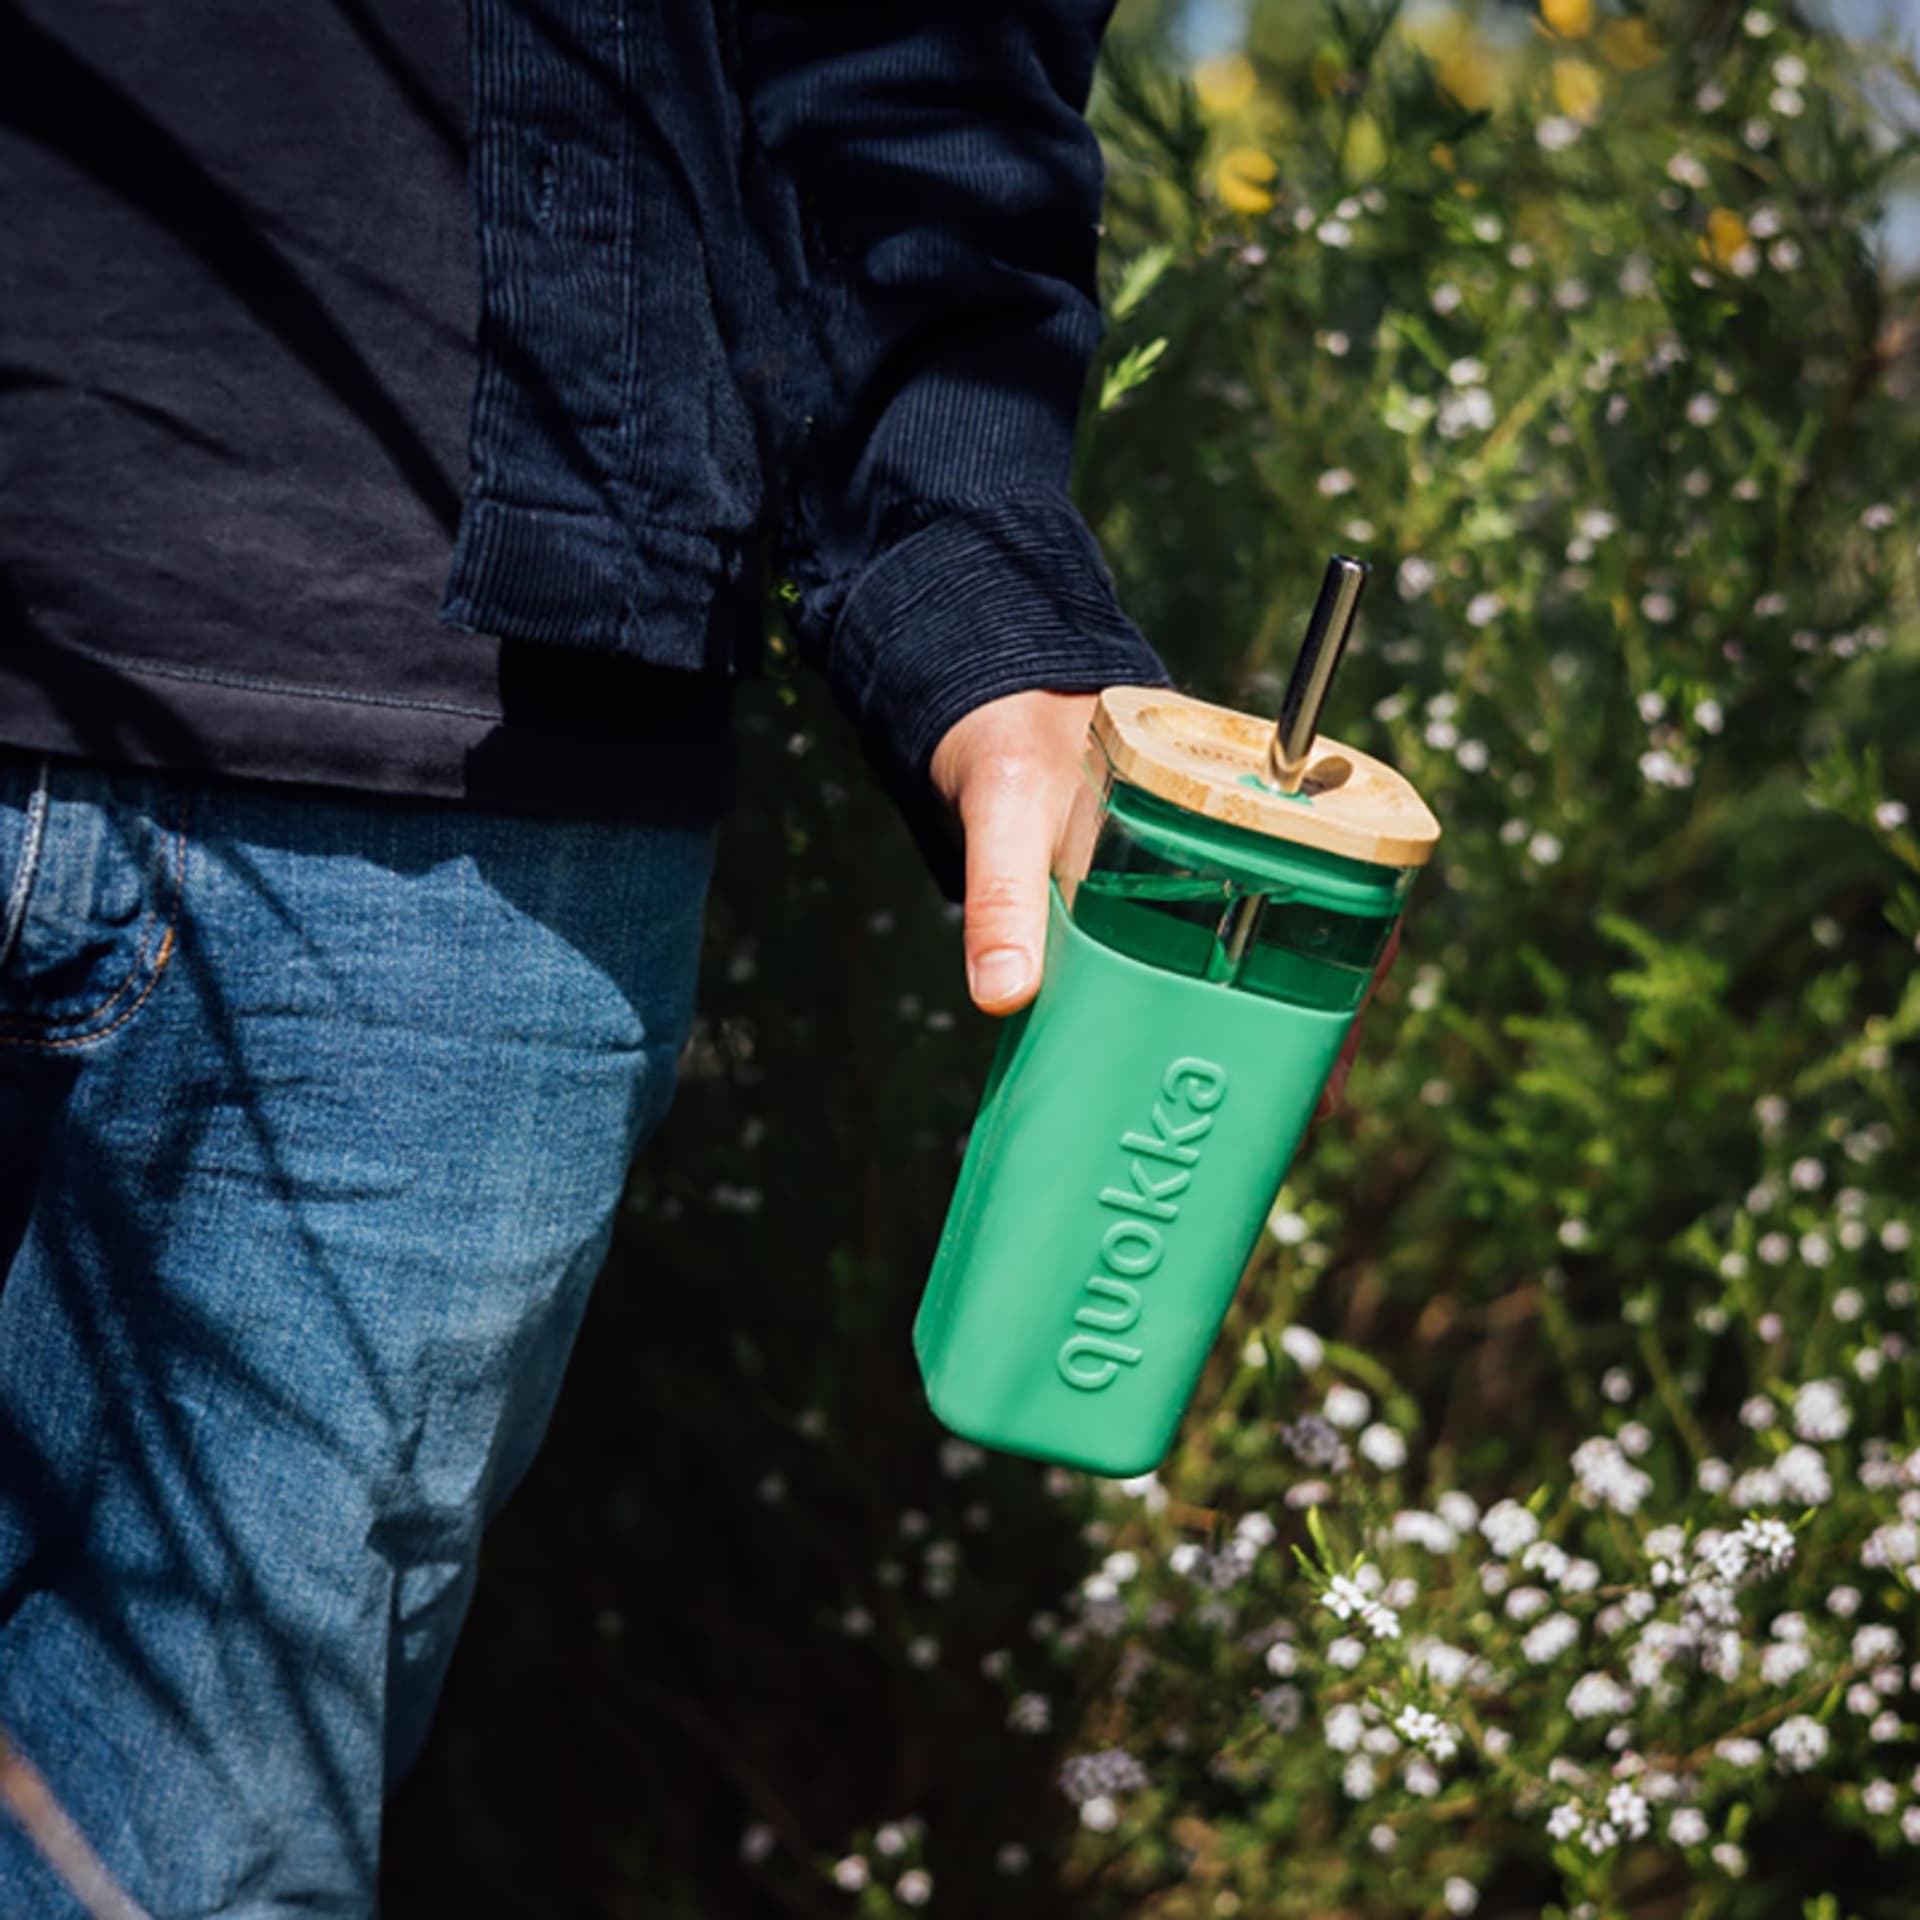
237,298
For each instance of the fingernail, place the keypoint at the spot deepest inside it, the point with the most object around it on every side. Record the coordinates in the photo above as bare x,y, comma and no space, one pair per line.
999,975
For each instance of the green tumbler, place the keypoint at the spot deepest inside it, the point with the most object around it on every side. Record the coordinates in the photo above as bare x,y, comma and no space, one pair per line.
1222,896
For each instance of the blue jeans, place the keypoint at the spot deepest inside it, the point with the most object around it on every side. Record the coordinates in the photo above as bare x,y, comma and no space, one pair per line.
314,1117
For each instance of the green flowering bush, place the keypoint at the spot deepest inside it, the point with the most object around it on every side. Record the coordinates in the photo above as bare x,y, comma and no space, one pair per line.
1542,1538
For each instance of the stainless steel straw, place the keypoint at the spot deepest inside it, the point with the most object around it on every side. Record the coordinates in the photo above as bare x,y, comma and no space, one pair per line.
1320,651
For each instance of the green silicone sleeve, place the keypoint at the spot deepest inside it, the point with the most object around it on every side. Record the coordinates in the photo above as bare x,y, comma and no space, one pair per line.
1135,1128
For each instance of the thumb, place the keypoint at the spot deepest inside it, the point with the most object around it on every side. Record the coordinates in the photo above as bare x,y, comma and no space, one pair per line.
1008,818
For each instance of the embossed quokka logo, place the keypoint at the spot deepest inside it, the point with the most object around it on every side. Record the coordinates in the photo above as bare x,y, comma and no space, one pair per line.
1148,1204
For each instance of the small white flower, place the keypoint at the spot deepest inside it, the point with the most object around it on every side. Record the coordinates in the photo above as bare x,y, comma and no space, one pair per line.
1875,1643
1788,104
851,1874
1427,1732
1345,1724
1910,1826
1459,1896
1686,171
1334,233
1335,481
1508,1526
1030,1713
1769,1542
1798,1743
1595,1695
1758,22
1346,1652
1415,577
1303,1347
1879,1796
1101,1813
1468,411
1415,1528
1820,1411
1484,608
914,1888
1550,1639
1445,298
1783,1661
1289,1228
1357,1777
1702,410
1607,1477
1803,1477
1467,372
1346,1406
1557,132
1889,816
1382,1446
1686,1826
1636,280
1659,607
1544,849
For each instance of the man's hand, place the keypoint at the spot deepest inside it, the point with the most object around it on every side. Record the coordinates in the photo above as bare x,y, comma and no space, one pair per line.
1011,768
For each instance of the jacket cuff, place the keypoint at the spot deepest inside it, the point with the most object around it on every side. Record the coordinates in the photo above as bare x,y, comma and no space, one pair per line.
982,602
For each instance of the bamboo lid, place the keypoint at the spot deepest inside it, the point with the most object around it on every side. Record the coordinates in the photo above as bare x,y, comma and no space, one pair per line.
1213,761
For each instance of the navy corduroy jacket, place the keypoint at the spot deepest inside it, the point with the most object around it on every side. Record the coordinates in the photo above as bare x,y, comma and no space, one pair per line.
807,287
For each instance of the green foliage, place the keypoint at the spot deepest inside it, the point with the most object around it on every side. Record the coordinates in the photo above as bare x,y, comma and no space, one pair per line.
1574,1381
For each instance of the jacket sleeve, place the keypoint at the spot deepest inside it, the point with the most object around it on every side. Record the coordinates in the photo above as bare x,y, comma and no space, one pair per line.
942,188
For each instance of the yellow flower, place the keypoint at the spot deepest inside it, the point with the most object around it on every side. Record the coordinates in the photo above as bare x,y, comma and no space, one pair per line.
1244,180
1726,234
1570,18
1441,156
1225,83
1577,89
1629,44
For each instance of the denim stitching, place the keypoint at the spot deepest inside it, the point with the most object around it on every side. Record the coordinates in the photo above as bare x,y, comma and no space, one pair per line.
162,955
29,863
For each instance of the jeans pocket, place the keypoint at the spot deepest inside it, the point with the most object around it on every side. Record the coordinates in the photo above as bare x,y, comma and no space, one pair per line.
92,899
